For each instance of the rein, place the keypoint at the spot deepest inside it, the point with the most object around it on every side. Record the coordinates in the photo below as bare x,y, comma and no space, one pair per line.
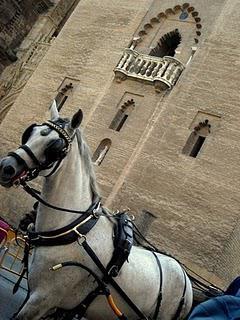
36,195
75,231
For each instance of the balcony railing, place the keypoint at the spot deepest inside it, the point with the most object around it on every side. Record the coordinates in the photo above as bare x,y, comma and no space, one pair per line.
162,72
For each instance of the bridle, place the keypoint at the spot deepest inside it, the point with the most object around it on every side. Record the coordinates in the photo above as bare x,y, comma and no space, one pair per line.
64,145
53,163
75,231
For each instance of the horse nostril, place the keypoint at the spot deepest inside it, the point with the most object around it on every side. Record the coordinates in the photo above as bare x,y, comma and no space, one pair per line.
9,171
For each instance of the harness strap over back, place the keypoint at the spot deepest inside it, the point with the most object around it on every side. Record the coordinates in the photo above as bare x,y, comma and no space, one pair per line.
122,241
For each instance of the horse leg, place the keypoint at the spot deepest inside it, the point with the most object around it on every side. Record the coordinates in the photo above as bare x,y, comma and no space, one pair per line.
37,306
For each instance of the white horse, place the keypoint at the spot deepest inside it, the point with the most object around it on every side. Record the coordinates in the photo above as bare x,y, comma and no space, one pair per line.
69,182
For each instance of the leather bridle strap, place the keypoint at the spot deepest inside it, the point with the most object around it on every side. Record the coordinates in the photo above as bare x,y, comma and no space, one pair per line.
60,131
44,166
31,191
18,159
31,155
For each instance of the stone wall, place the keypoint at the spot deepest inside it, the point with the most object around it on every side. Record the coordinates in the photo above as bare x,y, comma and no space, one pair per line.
31,51
16,20
195,199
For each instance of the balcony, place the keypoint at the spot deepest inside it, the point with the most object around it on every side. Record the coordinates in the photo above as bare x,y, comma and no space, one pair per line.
162,72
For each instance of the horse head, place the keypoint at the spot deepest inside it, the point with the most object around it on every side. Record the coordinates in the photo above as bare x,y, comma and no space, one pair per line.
43,147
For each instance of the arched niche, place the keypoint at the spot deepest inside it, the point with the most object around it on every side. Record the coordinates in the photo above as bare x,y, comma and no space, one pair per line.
184,18
122,115
197,139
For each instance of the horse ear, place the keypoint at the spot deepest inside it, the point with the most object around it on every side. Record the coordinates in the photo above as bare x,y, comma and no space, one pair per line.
54,110
77,119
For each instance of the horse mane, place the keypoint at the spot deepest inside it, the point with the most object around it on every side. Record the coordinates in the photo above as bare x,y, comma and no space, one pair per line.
87,159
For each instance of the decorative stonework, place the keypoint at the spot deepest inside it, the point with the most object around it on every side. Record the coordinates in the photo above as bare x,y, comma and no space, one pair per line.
162,72
152,59
203,125
154,22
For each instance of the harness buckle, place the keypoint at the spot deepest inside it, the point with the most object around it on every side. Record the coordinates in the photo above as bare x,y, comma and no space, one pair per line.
81,240
82,237
95,211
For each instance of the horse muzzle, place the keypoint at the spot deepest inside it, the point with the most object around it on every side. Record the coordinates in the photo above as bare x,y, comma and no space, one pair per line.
10,172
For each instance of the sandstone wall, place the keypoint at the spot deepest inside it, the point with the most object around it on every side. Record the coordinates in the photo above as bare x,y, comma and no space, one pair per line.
195,200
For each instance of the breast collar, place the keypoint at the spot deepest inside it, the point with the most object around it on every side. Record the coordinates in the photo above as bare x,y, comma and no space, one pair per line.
70,233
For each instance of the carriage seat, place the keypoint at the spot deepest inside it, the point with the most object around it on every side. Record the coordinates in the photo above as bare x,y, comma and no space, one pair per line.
122,241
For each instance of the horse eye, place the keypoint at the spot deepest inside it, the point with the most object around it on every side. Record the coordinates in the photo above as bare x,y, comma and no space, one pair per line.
45,132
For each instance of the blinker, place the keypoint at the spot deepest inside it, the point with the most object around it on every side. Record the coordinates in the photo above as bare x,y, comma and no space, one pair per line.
27,133
55,150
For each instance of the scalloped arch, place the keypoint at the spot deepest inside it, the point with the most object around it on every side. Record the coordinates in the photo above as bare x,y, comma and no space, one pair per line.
170,11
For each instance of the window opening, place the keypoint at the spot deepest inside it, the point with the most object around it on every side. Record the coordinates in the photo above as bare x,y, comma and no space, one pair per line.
197,147
101,151
60,105
167,44
125,116
197,138
63,95
122,115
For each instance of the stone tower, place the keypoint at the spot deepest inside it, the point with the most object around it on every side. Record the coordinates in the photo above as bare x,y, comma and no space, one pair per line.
158,84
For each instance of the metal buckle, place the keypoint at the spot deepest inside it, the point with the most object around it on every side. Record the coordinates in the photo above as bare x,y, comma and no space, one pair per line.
95,211
82,237
81,240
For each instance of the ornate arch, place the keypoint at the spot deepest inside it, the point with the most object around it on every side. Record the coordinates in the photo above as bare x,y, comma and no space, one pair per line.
185,8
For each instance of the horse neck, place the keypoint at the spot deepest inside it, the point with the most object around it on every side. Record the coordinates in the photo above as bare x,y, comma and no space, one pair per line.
69,188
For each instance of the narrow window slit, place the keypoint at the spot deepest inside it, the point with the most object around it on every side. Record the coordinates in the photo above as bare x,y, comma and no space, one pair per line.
120,125
197,139
197,147
60,105
63,95
122,115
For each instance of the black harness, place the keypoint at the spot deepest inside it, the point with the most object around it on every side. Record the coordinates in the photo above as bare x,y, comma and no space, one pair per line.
55,152
78,229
